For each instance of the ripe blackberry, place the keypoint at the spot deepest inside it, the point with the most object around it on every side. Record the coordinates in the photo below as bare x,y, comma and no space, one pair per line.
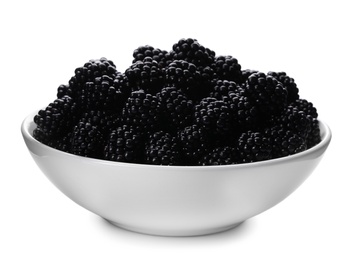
162,57
295,120
88,72
87,141
253,147
122,84
284,142
305,106
125,144
191,51
103,120
227,68
246,73
205,83
314,135
141,110
62,143
162,148
308,108
146,75
176,108
219,156
288,83
101,94
245,114
222,88
194,142
214,115
58,117
267,93
183,75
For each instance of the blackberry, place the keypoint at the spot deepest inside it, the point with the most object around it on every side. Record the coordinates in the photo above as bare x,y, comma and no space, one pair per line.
163,58
308,108
58,117
87,141
104,121
305,106
146,75
64,90
183,75
245,114
284,142
267,93
191,51
162,148
222,88
61,143
102,95
214,115
176,108
194,143
314,134
87,73
125,144
141,110
227,68
205,83
288,83
295,120
123,85
246,73
219,156
253,147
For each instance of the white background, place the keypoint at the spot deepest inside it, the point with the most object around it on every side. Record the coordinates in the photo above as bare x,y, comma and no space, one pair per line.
41,44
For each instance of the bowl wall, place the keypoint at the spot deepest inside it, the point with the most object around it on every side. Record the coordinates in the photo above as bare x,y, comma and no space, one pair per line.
174,200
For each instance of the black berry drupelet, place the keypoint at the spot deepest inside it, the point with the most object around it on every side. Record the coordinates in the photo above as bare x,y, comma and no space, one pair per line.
141,110
266,92
146,75
219,156
87,141
214,115
288,83
162,148
175,109
253,147
163,58
57,118
192,51
124,144
194,143
227,68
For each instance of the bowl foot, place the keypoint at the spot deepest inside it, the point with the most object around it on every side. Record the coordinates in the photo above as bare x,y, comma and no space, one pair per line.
175,233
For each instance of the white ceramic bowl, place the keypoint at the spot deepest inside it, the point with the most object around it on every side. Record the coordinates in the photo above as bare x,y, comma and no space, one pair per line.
174,200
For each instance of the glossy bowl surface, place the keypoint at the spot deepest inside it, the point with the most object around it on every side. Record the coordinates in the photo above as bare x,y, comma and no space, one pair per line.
174,200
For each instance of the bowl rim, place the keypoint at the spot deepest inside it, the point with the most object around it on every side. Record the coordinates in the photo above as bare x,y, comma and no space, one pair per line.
326,136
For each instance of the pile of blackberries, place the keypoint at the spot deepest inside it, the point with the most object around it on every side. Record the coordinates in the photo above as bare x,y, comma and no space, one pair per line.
186,106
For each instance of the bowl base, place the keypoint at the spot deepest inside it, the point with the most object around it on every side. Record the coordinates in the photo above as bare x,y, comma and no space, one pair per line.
175,233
